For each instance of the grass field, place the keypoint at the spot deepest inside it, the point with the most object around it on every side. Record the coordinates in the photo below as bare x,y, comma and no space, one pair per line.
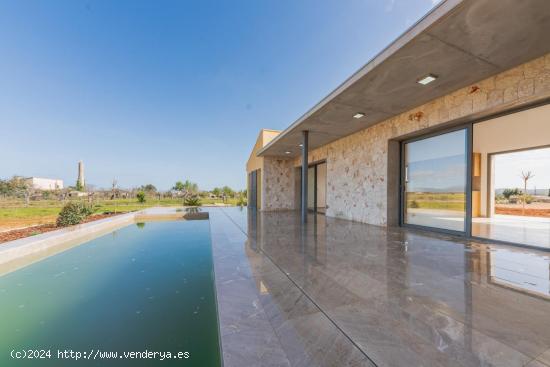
443,201
15,214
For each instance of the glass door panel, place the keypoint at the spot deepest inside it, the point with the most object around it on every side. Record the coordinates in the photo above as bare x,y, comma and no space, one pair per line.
435,181
252,189
311,188
321,187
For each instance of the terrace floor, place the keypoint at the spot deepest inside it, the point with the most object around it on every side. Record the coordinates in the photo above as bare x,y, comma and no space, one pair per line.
340,293
514,228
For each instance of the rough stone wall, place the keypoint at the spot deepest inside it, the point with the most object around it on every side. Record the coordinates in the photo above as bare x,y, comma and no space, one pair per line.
357,164
277,184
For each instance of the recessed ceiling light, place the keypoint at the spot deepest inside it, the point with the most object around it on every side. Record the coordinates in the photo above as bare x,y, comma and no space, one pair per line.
427,79
287,152
358,115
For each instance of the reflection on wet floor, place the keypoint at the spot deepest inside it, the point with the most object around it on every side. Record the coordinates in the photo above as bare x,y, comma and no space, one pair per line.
522,271
400,297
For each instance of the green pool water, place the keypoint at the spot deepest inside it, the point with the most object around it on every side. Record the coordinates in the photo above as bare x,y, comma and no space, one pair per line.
144,288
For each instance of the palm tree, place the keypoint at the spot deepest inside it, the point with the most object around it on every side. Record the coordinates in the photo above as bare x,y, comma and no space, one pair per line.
190,187
186,188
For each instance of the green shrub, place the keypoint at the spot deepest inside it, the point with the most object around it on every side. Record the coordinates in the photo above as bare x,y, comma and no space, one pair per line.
87,210
192,201
73,213
501,199
141,197
510,192
241,201
414,204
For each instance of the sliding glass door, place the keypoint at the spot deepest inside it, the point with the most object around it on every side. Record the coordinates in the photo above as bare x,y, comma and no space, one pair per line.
317,187
435,181
255,189
321,187
311,188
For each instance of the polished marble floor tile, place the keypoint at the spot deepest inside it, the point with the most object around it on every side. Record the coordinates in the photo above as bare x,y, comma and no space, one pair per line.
401,297
265,320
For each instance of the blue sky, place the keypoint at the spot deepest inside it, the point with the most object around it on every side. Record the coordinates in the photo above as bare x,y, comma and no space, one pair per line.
159,91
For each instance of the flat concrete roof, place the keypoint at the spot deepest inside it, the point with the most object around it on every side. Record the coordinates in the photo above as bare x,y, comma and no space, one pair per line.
460,41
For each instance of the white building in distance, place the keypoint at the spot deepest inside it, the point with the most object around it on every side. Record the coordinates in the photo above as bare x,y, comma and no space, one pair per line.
40,183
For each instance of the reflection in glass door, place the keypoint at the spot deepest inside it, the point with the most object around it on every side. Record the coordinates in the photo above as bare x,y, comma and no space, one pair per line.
435,181
255,189
317,187
311,188
321,187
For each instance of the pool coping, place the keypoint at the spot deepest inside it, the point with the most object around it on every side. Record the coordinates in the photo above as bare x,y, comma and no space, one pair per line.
23,247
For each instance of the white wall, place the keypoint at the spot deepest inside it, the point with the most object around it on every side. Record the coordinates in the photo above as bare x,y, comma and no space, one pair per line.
521,130
45,183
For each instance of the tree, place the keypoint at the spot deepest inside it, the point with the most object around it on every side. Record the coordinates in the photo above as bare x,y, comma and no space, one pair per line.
242,198
5,187
149,188
18,187
78,186
178,186
191,187
186,188
228,191
141,197
526,176
114,191
510,192
217,192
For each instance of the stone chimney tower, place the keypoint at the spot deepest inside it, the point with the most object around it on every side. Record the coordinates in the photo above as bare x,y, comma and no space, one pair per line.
81,174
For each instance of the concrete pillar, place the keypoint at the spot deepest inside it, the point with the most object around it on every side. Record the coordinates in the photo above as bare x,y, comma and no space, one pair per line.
305,141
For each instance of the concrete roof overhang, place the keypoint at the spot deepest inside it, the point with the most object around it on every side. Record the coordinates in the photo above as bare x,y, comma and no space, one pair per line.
460,41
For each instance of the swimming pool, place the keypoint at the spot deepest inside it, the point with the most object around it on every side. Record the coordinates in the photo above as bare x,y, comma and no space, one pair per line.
148,287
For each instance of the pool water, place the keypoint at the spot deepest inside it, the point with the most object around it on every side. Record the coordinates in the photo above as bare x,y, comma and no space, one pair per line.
148,286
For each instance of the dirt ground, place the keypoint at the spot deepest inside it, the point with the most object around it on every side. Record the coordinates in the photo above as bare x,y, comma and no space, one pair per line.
531,210
42,228
21,223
